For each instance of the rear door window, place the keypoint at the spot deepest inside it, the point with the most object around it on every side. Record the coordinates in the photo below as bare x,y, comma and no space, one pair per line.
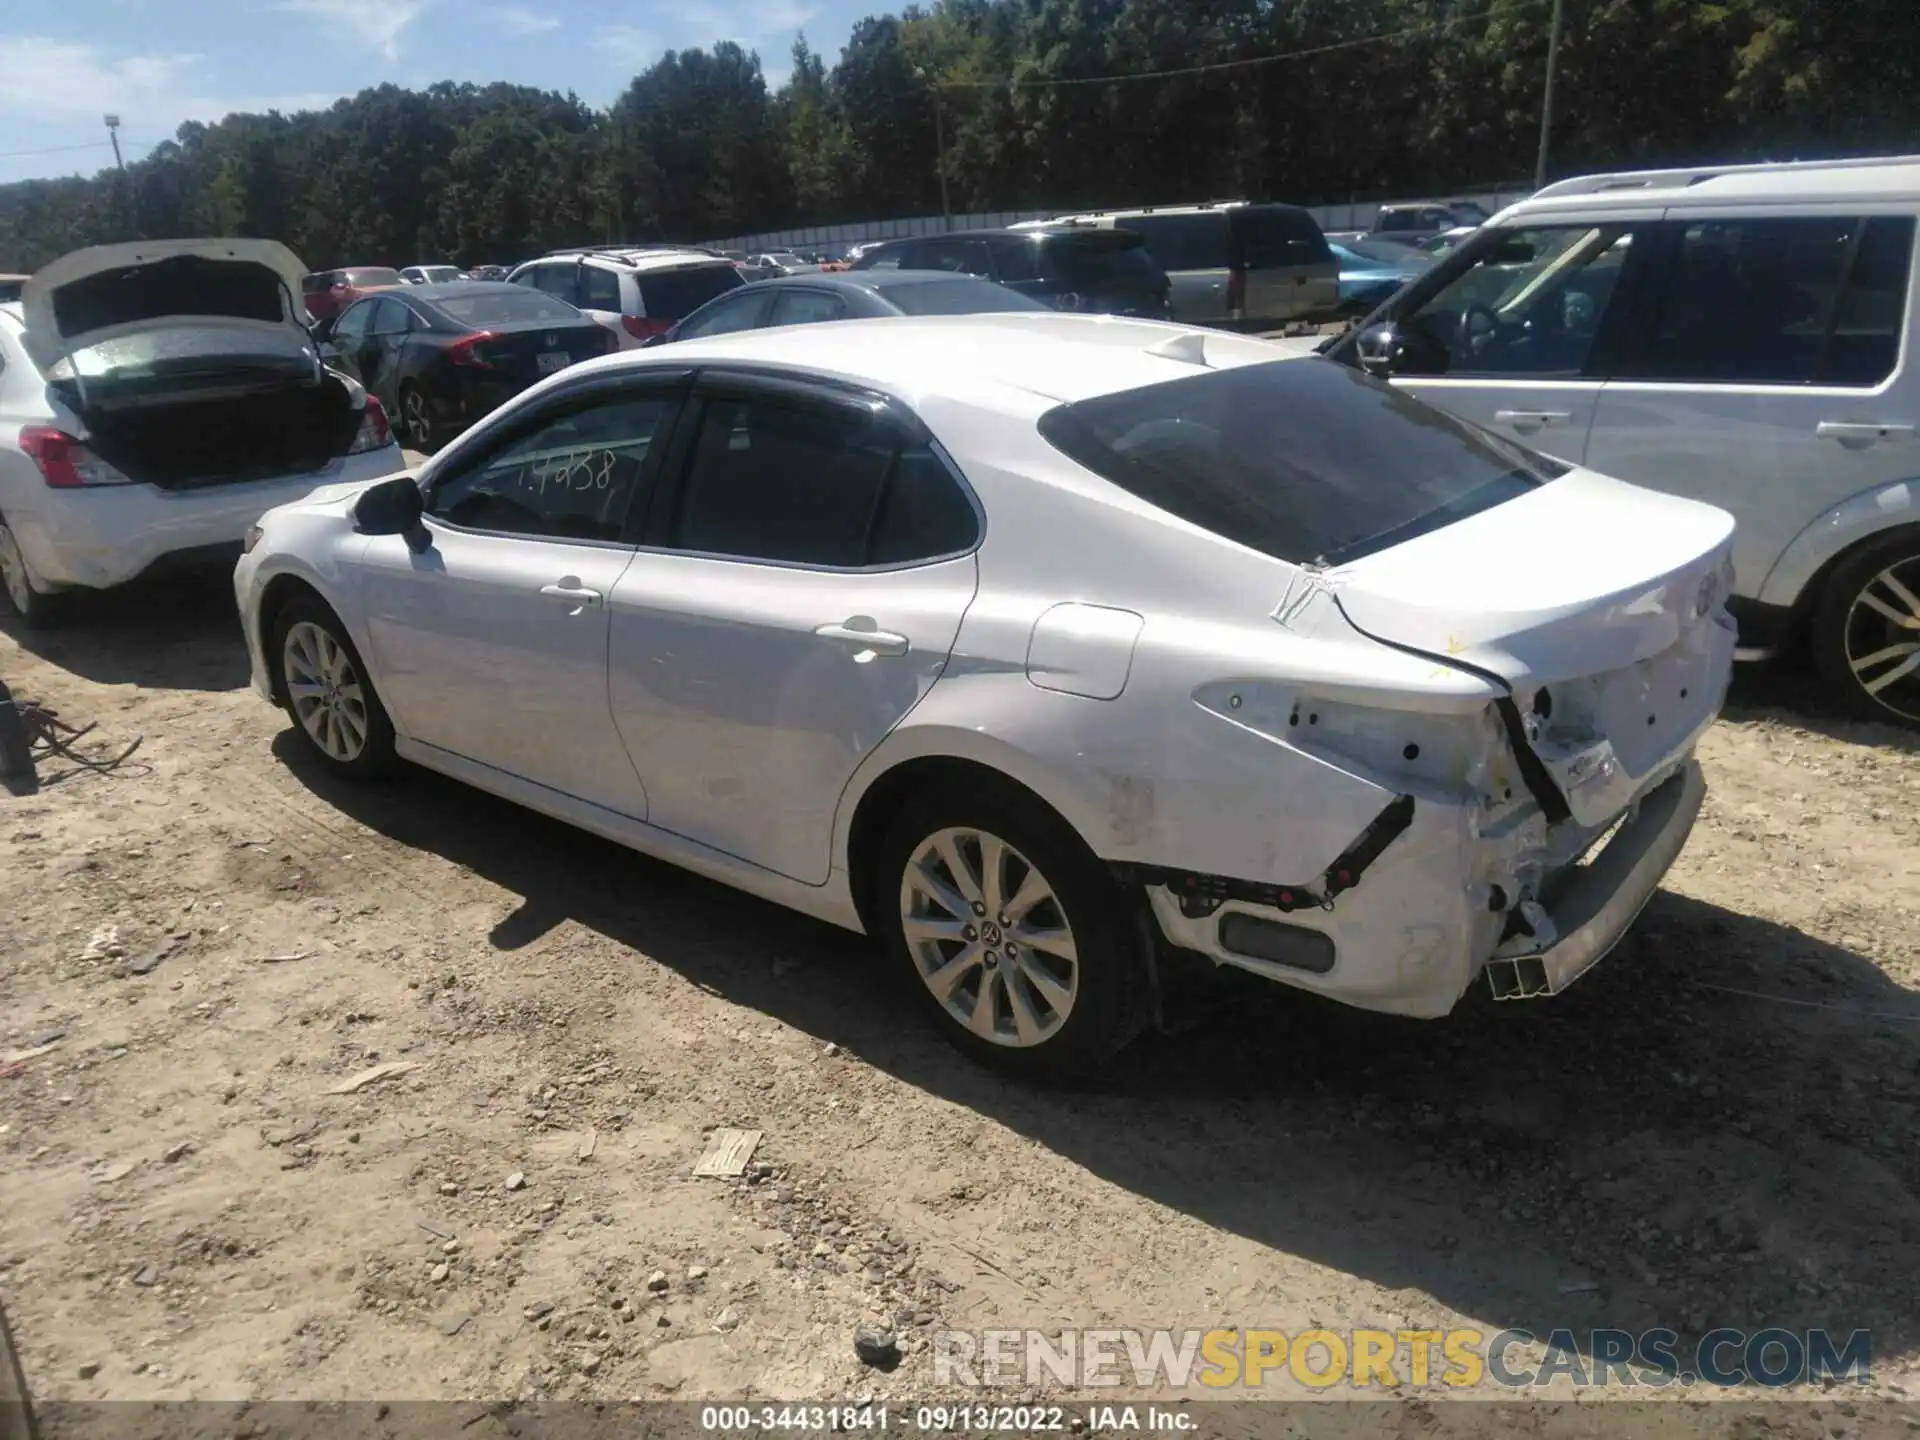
1100,260
1779,301
785,482
745,311
807,307
1182,242
1304,460
599,289
1015,261
675,294
560,280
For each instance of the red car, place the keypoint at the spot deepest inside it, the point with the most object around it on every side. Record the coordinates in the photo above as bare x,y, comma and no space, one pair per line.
328,292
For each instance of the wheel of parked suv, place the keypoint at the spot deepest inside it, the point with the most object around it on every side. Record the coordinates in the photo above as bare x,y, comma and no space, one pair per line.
416,419
1018,942
1866,630
328,691
34,610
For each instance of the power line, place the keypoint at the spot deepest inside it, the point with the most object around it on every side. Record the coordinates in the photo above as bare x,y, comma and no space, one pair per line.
52,150
1499,7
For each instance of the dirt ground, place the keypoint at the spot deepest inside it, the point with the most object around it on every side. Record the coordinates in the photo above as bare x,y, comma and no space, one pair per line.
1714,1128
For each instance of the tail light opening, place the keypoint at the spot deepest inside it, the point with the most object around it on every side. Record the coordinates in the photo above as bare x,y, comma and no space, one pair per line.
374,432
644,327
65,463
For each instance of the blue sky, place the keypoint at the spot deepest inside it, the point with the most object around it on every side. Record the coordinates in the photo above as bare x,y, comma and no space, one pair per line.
160,62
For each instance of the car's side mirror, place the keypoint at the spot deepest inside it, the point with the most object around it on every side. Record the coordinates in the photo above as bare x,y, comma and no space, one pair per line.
1378,349
393,507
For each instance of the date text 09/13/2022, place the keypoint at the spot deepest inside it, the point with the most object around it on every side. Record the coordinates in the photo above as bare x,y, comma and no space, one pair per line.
876,1416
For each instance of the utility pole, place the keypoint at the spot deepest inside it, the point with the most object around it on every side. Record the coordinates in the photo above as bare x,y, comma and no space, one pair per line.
1546,100
113,134
940,159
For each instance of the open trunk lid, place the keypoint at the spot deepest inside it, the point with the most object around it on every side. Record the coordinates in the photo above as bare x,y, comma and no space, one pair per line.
1576,577
106,293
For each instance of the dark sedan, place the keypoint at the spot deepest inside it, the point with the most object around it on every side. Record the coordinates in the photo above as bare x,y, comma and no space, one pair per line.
441,356
846,295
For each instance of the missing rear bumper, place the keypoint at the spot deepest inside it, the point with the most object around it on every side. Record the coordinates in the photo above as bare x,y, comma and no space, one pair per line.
1600,903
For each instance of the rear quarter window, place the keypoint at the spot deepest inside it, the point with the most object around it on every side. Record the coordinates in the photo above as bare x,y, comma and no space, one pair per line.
1281,235
676,294
1304,460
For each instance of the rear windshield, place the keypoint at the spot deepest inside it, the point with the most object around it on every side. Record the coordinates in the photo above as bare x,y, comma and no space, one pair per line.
1102,258
503,307
1280,235
675,294
955,297
1303,460
372,275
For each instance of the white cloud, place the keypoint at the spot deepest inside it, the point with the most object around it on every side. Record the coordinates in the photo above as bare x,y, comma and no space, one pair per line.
768,27
518,20
374,23
153,94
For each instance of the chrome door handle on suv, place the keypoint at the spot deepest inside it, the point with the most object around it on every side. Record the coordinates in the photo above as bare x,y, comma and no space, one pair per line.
1849,432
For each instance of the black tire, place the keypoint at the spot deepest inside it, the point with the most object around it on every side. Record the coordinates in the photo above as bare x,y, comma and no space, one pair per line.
374,757
1109,998
1848,631
29,608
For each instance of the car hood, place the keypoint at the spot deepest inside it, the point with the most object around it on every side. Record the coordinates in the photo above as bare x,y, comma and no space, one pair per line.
111,291
1584,574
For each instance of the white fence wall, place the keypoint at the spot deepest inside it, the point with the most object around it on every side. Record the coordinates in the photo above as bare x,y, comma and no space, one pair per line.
1358,215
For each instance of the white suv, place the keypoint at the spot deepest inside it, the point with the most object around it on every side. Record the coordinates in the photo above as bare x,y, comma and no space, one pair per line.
1740,335
636,293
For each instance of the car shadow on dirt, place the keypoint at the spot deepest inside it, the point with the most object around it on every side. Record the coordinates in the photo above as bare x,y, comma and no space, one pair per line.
1790,692
178,634
1650,1149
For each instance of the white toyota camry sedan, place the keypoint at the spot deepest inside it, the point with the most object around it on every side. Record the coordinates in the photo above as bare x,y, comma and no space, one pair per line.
1032,645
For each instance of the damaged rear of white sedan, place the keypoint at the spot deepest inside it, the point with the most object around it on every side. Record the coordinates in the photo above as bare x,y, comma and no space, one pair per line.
1142,639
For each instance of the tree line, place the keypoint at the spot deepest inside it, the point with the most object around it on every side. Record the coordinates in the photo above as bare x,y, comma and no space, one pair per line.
1305,100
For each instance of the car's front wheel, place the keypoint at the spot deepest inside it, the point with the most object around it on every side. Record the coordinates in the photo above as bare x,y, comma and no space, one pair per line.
328,691
1866,630
1017,942
34,610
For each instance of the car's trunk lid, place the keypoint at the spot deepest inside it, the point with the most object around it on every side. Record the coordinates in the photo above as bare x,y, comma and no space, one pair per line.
1576,577
112,292
531,350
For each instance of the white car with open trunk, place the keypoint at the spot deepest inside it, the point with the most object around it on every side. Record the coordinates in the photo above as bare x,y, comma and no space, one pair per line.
1030,644
155,398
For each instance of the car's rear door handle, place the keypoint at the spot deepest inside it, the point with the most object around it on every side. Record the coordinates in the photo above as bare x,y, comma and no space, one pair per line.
1528,421
1849,432
572,591
866,640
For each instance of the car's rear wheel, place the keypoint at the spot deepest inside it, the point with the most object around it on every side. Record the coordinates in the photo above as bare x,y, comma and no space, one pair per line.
328,691
417,419
1866,630
1018,943
34,610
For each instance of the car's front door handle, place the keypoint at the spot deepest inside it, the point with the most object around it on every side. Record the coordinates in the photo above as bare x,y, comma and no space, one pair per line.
574,593
864,638
1528,421
1861,433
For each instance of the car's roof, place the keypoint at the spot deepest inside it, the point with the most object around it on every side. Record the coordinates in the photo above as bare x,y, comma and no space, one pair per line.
665,257
1054,356
1878,178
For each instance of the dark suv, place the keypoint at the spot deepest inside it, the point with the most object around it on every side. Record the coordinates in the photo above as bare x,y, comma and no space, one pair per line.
1068,268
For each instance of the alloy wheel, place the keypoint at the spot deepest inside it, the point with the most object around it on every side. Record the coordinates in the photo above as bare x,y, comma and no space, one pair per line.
325,691
13,572
989,937
413,407
1883,637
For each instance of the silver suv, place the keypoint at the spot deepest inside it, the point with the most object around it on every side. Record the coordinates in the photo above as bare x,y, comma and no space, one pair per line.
636,293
